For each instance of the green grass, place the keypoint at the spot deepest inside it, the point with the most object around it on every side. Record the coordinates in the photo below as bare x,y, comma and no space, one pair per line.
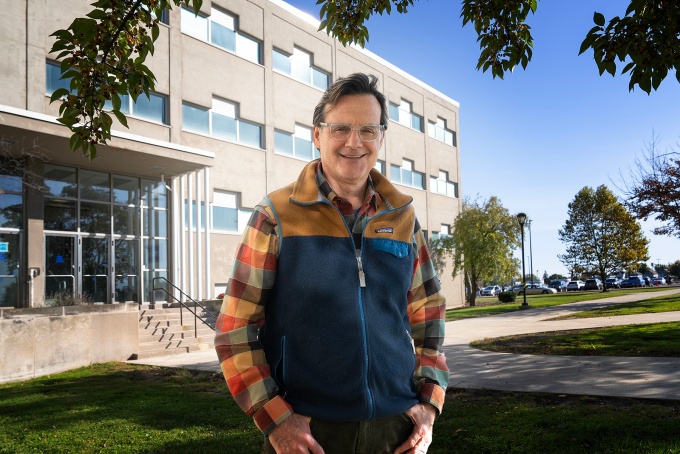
491,305
658,339
668,303
122,408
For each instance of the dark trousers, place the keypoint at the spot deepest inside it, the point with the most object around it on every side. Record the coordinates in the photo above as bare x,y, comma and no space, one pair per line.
364,437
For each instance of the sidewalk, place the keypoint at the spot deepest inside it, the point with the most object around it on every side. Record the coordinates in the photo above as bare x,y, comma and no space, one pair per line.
657,378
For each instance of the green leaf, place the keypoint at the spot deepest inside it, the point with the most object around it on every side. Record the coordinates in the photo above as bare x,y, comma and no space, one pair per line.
598,18
68,121
155,31
121,117
98,14
58,93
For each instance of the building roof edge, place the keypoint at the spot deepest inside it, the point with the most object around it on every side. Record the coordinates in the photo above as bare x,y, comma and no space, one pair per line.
314,22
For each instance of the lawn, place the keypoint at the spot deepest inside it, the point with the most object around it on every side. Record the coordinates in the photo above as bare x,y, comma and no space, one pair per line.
121,408
491,305
658,339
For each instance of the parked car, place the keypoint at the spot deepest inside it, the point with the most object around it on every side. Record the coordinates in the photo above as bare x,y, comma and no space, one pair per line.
593,284
613,282
517,288
633,281
659,281
575,285
559,284
533,289
491,290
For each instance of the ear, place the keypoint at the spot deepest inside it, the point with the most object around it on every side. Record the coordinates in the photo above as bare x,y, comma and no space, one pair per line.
316,136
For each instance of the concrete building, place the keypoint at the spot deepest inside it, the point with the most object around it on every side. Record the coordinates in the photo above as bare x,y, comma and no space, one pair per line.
229,121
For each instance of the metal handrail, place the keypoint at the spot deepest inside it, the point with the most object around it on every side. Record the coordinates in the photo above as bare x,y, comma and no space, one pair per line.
182,304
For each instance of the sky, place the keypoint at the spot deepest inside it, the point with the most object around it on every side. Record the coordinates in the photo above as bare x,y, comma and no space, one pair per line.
540,135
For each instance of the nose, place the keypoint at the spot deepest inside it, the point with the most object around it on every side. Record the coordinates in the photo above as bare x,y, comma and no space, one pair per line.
354,141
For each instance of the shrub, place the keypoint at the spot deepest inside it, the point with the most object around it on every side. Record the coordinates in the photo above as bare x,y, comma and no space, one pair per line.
507,297
67,298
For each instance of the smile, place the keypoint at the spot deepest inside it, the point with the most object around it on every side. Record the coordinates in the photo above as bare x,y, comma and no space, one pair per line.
353,157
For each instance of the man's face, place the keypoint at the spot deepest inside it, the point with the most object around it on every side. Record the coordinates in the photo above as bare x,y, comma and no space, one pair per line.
347,163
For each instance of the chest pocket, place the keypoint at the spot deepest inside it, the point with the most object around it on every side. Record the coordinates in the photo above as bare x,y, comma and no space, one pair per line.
397,248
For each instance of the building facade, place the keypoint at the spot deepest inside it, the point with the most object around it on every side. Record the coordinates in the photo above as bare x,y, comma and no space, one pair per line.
164,203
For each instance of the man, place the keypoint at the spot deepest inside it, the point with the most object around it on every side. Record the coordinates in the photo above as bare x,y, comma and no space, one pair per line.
331,330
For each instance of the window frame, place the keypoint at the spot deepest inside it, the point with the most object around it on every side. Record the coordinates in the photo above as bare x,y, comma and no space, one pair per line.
237,119
215,17
290,72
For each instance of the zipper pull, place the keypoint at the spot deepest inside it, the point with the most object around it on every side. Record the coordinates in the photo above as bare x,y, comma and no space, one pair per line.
362,276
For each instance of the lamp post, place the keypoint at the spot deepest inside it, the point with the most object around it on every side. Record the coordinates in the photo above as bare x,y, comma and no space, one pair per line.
531,255
522,218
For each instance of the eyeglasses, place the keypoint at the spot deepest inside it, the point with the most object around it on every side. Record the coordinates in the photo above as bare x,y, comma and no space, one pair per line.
342,131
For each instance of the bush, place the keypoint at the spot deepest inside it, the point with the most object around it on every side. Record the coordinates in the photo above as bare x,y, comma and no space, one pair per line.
507,297
67,298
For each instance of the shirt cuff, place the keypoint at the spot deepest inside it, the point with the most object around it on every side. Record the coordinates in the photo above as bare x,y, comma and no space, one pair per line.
272,414
432,394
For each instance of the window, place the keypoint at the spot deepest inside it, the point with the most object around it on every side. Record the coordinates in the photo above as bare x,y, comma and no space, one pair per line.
299,67
220,30
445,232
380,166
442,185
439,131
151,108
195,215
298,145
227,214
221,122
407,176
403,115
53,80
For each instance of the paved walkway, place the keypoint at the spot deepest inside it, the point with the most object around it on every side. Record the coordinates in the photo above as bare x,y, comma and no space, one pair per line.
593,375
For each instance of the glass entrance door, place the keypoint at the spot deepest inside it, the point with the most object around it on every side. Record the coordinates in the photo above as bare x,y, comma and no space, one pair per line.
60,268
95,275
9,269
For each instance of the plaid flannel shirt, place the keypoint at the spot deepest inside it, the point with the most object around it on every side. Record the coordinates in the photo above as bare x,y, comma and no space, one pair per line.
240,353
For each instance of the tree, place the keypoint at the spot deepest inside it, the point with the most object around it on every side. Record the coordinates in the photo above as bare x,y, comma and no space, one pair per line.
674,269
601,235
653,190
103,54
481,244
437,254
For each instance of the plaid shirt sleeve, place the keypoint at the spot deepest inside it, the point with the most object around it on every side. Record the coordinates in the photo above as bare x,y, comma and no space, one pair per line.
427,314
240,353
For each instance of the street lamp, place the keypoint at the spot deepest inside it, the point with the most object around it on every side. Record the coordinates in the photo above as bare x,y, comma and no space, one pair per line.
522,218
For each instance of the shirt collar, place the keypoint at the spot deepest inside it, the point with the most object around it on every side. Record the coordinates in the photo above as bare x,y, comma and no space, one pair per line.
371,197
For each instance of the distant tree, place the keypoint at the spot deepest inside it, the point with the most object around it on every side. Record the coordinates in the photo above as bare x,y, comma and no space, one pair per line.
644,269
481,244
103,54
546,279
653,188
554,277
674,269
437,254
600,235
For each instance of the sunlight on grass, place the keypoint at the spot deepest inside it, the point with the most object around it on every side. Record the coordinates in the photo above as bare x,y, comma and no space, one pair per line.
121,408
491,306
658,340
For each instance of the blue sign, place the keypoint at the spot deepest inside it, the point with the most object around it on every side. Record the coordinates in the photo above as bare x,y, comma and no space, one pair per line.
4,247
60,259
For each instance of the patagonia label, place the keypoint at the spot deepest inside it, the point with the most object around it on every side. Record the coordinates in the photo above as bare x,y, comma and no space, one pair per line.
385,230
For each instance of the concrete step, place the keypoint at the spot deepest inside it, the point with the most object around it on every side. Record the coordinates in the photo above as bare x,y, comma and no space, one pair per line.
163,332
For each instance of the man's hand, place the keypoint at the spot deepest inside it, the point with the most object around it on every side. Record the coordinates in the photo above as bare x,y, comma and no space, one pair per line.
294,436
423,416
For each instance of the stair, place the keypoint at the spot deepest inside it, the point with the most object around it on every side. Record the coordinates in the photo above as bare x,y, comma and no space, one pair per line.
161,332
